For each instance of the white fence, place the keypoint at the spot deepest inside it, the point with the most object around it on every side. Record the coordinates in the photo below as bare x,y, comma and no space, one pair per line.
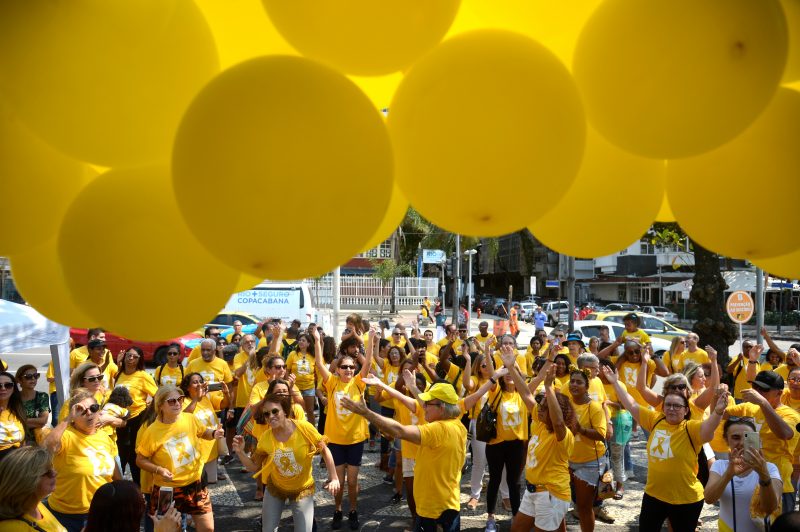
367,293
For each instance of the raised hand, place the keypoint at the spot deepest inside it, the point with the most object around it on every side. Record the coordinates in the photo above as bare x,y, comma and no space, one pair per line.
507,356
611,377
372,381
712,354
238,444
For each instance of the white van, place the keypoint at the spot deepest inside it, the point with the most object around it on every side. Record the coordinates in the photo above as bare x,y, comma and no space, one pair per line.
287,301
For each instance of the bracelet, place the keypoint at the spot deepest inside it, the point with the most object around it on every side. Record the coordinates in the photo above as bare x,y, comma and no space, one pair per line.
752,361
494,381
156,471
764,483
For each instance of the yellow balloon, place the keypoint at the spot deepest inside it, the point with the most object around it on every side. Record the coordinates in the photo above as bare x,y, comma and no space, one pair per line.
38,184
486,114
306,137
718,197
363,37
786,266
105,82
39,278
792,10
398,207
242,30
675,78
246,282
621,181
554,24
136,269
380,89
665,212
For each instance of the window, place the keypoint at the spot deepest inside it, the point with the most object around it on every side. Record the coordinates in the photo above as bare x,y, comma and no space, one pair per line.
246,321
652,323
382,251
222,319
618,330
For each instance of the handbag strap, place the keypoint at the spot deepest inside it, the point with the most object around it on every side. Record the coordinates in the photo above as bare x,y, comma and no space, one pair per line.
733,501
31,524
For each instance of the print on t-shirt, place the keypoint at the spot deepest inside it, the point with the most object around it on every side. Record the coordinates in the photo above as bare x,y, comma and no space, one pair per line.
286,463
532,445
511,417
209,376
181,451
303,366
340,410
629,374
9,432
660,445
102,463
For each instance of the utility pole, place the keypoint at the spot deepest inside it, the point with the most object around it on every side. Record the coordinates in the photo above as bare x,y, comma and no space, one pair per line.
457,279
759,304
571,291
336,299
470,291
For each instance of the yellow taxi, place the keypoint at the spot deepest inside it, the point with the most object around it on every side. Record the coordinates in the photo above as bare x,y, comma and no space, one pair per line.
652,325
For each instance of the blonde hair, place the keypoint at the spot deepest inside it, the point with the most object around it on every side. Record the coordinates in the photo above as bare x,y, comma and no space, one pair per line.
77,376
690,370
673,346
20,472
162,394
77,395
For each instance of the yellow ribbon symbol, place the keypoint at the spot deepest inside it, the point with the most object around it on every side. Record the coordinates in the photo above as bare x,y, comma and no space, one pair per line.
183,455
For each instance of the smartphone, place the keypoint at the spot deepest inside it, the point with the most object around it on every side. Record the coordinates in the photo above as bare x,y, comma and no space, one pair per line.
215,387
752,440
164,500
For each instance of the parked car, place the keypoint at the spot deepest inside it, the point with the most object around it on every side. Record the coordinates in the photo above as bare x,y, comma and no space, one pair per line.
652,325
557,312
154,352
530,299
482,303
630,307
661,312
500,307
589,328
226,319
526,311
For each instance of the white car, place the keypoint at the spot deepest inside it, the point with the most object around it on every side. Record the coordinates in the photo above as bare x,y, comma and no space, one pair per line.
589,328
661,312
557,312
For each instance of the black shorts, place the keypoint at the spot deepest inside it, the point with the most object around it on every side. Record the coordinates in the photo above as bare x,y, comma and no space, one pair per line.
347,454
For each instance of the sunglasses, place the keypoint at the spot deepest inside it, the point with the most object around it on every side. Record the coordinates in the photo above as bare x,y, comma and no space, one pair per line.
736,419
677,386
273,412
95,378
91,409
172,354
347,366
6,385
172,401
31,376
282,366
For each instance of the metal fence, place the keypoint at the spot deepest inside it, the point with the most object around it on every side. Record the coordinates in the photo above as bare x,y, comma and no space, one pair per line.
368,293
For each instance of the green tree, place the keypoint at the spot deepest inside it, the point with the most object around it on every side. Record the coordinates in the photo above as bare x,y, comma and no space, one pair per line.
387,270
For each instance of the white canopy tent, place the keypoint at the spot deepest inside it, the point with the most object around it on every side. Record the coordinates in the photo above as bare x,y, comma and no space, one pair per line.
21,327
736,280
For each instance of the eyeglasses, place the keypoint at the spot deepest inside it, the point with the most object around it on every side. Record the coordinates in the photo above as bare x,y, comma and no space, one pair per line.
347,366
677,386
91,409
793,379
736,419
558,335
132,355
93,378
428,403
50,473
273,412
6,385
172,354
31,376
172,401
673,406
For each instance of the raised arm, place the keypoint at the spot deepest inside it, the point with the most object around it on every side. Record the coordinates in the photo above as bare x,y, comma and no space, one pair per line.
509,362
408,402
387,426
466,375
711,423
624,397
648,395
553,408
776,423
704,399
752,362
318,360
661,368
472,399
772,345
367,365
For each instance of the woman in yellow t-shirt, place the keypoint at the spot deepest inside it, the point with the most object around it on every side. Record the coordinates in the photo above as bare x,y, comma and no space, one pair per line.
672,491
26,478
12,415
791,398
587,461
142,388
477,372
390,370
172,371
170,450
345,430
283,460
546,498
204,406
301,364
83,457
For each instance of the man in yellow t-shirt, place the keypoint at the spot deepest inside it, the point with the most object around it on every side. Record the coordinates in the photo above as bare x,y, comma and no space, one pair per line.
237,329
80,354
430,346
442,448
212,369
692,353
210,333
485,338
738,368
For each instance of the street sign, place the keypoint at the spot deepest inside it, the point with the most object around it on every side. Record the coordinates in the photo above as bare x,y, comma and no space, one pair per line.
685,294
432,256
551,284
740,306
776,284
533,285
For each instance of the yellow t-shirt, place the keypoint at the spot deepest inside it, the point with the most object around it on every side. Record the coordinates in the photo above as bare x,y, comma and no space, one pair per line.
628,372
195,354
672,459
779,452
512,415
245,382
51,374
678,362
489,340
205,412
597,391
166,375
176,447
638,333
341,425
12,431
99,397
84,463
47,523
433,349
401,343
740,370
521,363
437,478
611,395
406,417
547,460
145,477
781,369
215,371
141,386
591,416
80,355
116,411
291,459
718,443
390,375
303,366
787,400
477,383
453,376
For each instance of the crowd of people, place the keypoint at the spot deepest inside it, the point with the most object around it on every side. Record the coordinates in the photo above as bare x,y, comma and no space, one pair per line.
551,425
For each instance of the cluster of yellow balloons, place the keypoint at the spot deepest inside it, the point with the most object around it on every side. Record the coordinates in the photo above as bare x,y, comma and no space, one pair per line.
252,139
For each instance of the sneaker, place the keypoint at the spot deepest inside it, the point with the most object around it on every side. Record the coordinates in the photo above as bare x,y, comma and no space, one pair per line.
396,498
353,518
389,480
602,514
491,525
337,520
225,460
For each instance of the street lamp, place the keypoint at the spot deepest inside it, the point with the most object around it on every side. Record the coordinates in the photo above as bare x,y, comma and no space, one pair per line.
470,291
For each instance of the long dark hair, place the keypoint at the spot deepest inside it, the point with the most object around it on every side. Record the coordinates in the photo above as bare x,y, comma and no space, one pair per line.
117,506
15,402
140,363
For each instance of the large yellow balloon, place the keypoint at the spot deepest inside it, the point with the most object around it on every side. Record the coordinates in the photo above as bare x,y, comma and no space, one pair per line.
398,207
792,10
786,266
363,37
246,282
487,116
37,183
665,212
554,24
134,266
105,82
304,137
722,198
39,278
676,78
612,179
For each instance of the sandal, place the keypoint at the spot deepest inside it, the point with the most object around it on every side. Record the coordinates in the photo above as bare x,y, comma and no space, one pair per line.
619,494
259,496
472,504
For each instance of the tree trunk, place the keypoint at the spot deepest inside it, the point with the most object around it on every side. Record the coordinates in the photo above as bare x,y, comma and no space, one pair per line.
708,293
383,291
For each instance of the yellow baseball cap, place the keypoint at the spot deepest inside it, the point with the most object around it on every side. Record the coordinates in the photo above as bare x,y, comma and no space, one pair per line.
441,390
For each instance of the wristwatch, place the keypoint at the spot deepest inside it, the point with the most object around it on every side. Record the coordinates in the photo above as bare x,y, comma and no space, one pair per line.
494,381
